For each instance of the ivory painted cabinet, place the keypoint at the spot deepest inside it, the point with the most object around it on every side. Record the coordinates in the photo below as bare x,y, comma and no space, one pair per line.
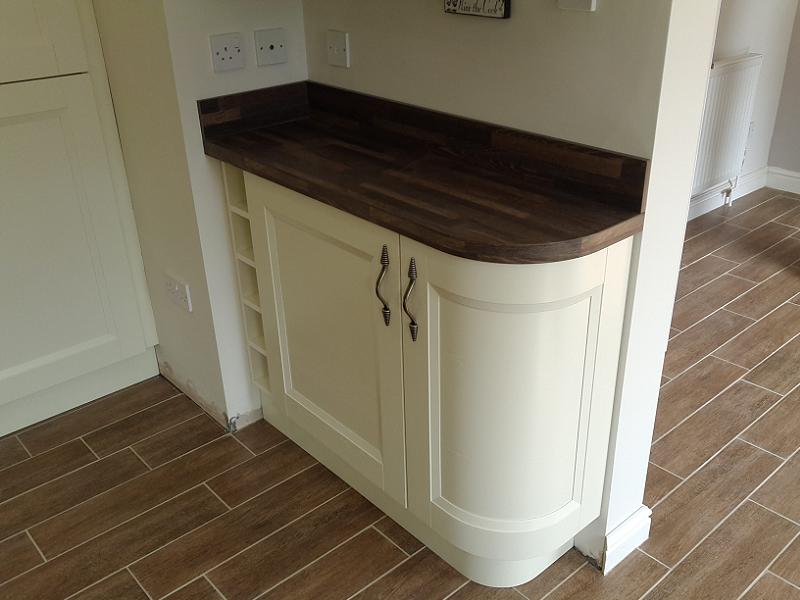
479,416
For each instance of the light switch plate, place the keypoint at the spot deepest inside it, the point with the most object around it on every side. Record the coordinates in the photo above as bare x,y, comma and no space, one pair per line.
338,48
226,52
584,5
271,46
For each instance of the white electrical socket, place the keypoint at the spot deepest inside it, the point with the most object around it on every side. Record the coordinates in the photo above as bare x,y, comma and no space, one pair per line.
271,46
178,292
227,53
338,48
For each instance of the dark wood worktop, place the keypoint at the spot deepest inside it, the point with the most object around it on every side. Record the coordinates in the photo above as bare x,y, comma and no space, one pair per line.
467,188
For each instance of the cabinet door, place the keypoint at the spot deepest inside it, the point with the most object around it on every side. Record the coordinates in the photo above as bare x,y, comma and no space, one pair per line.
40,38
341,365
68,302
506,416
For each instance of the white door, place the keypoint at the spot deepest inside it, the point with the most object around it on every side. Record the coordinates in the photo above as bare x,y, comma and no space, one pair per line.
67,299
507,417
341,364
40,38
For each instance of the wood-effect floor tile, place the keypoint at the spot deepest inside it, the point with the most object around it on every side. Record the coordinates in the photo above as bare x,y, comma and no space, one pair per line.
37,505
769,587
199,589
782,492
709,241
96,559
278,556
343,572
542,585
781,371
17,555
260,436
755,242
766,264
767,296
120,586
685,394
747,202
659,483
136,496
699,341
178,440
142,425
194,554
474,591
792,218
704,433
730,559
707,299
703,223
779,430
424,575
40,469
762,339
11,452
702,272
407,542
260,473
98,414
628,581
766,211
704,499
788,563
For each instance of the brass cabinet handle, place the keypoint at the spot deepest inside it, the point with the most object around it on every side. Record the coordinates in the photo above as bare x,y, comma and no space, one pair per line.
413,326
386,311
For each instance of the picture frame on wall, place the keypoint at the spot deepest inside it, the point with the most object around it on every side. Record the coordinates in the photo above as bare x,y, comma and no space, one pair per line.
494,9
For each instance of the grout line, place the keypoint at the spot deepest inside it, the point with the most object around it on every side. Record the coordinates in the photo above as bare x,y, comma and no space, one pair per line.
667,470
216,495
215,588
520,593
94,583
391,540
655,559
171,427
24,447
567,578
730,362
775,512
243,445
139,583
85,443
783,579
741,439
35,545
139,456
772,562
455,591
382,575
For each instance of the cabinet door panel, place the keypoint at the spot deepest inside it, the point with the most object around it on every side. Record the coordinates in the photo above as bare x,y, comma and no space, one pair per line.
68,300
40,38
501,408
341,365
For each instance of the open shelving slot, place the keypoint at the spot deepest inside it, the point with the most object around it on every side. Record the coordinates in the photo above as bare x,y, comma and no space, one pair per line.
260,370
248,286
242,238
234,189
254,327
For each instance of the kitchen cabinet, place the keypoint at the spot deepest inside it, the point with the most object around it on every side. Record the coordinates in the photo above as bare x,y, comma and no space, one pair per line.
479,416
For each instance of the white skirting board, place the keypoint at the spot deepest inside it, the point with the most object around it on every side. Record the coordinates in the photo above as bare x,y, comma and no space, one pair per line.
626,537
784,180
714,198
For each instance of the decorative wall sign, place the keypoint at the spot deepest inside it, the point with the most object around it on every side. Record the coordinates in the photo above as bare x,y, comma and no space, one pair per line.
496,9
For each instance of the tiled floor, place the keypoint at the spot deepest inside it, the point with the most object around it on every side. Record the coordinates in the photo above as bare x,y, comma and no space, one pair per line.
142,496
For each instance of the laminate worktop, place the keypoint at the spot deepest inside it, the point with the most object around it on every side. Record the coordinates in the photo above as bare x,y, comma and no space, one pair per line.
467,188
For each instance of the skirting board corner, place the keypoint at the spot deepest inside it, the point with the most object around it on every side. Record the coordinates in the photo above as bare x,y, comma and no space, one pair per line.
626,537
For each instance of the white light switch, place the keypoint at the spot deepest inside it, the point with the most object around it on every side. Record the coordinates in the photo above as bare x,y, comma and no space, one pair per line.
339,48
226,52
271,46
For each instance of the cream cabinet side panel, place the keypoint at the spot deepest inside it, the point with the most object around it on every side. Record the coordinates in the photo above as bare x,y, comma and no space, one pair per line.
340,364
501,410
69,298
40,38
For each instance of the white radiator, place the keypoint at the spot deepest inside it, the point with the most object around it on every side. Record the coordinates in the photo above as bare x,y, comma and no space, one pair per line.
726,123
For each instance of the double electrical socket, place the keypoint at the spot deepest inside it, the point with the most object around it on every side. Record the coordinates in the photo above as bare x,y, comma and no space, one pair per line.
227,51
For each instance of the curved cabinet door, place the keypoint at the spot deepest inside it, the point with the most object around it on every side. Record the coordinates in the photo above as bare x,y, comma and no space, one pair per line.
40,38
69,303
509,391
340,364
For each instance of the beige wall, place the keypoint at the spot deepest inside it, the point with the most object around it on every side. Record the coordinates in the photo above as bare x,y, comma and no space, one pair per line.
785,152
765,27
588,77
158,58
